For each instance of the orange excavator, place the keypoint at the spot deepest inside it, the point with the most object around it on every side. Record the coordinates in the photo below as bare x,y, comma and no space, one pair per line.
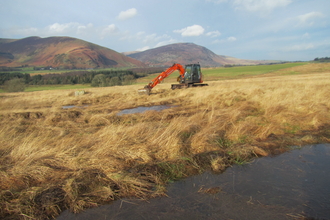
190,76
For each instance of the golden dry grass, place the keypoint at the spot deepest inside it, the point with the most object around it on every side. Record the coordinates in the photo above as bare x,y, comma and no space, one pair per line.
53,158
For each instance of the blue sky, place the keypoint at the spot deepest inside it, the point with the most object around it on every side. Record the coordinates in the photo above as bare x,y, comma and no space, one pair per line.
248,29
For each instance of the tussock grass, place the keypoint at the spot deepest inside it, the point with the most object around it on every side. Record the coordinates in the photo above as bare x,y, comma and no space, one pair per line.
53,159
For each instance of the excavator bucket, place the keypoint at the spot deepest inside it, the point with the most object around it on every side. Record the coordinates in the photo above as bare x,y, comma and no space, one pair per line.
145,91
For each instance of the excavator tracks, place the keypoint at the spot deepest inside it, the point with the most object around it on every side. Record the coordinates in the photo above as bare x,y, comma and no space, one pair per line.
182,86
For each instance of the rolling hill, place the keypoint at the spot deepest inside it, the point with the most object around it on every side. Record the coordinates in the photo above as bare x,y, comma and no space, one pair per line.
64,52
73,53
185,53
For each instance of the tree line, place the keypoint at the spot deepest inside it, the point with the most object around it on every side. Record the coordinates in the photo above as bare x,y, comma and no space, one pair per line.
111,77
322,59
12,80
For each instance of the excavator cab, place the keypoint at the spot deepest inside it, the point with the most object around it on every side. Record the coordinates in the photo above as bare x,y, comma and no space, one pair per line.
192,74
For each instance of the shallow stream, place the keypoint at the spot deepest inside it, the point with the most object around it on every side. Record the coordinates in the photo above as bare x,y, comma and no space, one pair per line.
292,185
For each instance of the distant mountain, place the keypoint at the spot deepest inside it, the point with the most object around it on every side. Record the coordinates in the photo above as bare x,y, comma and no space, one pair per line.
185,53
65,52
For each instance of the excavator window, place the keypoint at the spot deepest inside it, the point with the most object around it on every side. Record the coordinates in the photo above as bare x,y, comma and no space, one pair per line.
187,74
197,71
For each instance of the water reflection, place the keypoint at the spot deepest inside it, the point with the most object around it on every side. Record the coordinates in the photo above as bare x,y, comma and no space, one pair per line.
143,109
289,186
73,106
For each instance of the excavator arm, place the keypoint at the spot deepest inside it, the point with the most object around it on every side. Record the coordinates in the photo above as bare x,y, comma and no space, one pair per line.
162,76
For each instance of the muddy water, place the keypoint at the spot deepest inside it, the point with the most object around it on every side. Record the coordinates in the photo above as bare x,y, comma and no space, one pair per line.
144,109
293,185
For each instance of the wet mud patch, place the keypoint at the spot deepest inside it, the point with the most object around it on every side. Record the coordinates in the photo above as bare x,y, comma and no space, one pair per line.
27,115
70,115
50,200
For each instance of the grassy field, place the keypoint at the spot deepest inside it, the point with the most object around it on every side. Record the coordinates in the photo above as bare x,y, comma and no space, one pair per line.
224,73
56,87
245,71
53,87
52,159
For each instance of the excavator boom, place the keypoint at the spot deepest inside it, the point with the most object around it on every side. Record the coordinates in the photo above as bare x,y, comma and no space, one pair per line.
161,77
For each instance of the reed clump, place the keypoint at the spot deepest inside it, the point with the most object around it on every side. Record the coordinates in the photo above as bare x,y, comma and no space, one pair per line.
52,159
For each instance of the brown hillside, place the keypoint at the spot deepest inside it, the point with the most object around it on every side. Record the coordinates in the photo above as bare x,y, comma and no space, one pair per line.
185,53
65,52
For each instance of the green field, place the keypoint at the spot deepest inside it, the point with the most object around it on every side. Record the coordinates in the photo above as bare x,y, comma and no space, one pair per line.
218,73
222,73
243,71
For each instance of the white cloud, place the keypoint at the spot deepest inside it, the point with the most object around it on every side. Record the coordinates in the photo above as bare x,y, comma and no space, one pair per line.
231,39
73,29
213,34
309,16
150,38
84,29
217,41
166,42
306,36
50,30
260,5
108,30
143,48
9,33
194,30
57,28
126,36
124,15
308,19
299,47
158,40
153,39
141,33
228,39
216,1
